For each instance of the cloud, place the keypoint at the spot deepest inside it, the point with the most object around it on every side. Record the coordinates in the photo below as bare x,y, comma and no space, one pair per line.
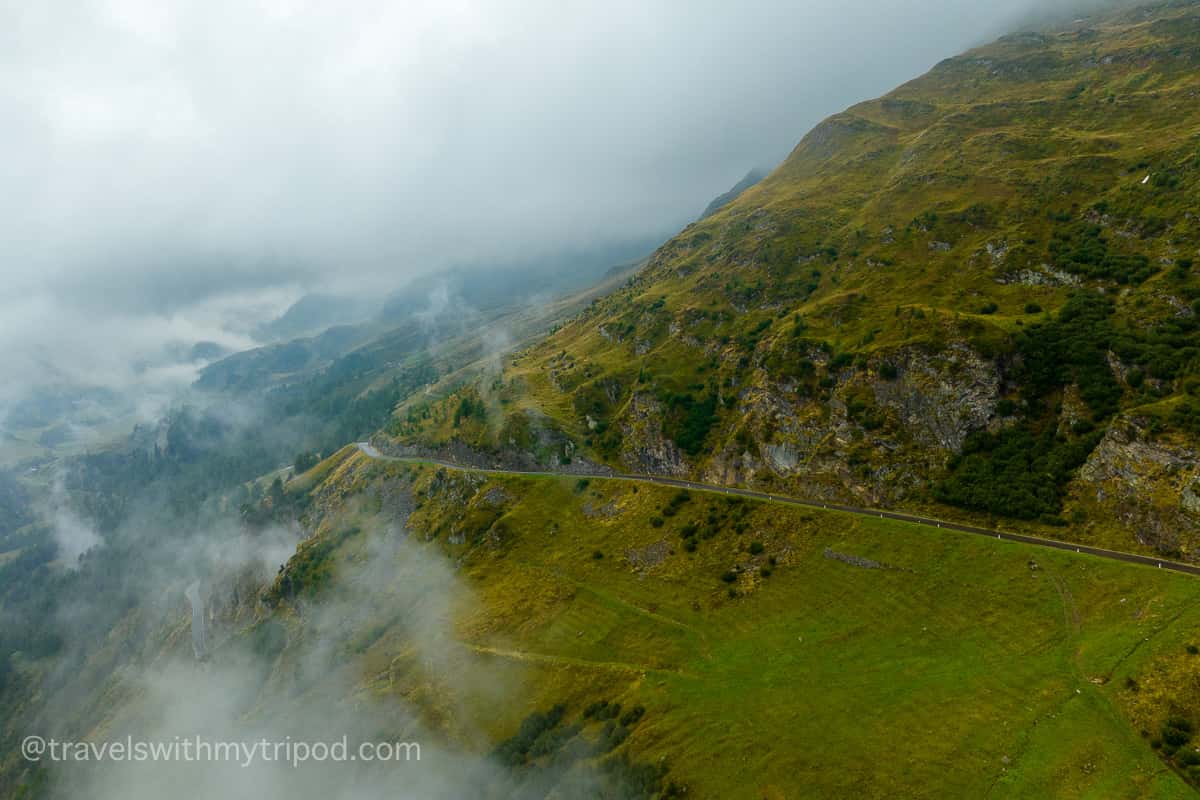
164,159
73,537
295,676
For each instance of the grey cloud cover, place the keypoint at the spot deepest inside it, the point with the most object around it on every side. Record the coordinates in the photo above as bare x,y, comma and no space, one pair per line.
175,167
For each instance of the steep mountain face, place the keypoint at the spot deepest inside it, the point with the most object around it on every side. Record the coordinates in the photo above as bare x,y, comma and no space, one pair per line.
977,294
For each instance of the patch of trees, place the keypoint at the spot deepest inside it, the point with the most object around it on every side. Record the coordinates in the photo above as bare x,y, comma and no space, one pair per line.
205,456
550,757
689,420
1073,348
34,594
978,215
535,737
1082,248
1015,473
1168,351
1186,416
1023,471
469,408
1173,742
305,461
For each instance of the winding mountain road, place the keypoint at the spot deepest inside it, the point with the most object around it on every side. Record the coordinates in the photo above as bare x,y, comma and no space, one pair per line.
371,451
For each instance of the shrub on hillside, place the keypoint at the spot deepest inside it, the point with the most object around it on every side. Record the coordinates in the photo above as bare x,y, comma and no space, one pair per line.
303,462
516,750
469,408
689,421
1015,473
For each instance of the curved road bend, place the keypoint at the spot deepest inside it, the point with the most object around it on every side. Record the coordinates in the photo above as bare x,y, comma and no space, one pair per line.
1130,558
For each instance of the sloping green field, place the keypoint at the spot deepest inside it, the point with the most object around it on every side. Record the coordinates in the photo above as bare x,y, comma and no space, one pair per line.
872,659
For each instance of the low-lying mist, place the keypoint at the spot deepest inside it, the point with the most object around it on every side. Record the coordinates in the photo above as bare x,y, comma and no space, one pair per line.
372,657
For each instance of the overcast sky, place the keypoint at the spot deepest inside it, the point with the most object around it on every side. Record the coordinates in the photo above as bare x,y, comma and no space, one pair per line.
176,169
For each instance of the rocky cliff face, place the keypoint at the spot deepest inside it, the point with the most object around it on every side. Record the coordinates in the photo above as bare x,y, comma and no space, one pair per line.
647,450
1149,485
937,400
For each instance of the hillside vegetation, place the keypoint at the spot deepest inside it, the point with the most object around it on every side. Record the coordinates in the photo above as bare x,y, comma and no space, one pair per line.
976,296
978,292
753,649
559,636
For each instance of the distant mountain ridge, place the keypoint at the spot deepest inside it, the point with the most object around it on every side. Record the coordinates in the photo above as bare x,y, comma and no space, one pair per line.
314,313
751,178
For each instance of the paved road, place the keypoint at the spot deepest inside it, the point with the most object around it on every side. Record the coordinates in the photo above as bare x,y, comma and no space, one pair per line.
1114,555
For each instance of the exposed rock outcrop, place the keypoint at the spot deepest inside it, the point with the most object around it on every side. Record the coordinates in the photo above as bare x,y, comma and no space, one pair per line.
939,399
646,449
1151,485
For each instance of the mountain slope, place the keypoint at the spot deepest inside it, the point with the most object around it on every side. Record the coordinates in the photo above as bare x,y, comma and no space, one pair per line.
720,646
750,179
784,651
976,293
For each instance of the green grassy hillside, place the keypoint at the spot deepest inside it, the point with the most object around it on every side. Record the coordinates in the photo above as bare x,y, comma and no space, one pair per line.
773,651
978,292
